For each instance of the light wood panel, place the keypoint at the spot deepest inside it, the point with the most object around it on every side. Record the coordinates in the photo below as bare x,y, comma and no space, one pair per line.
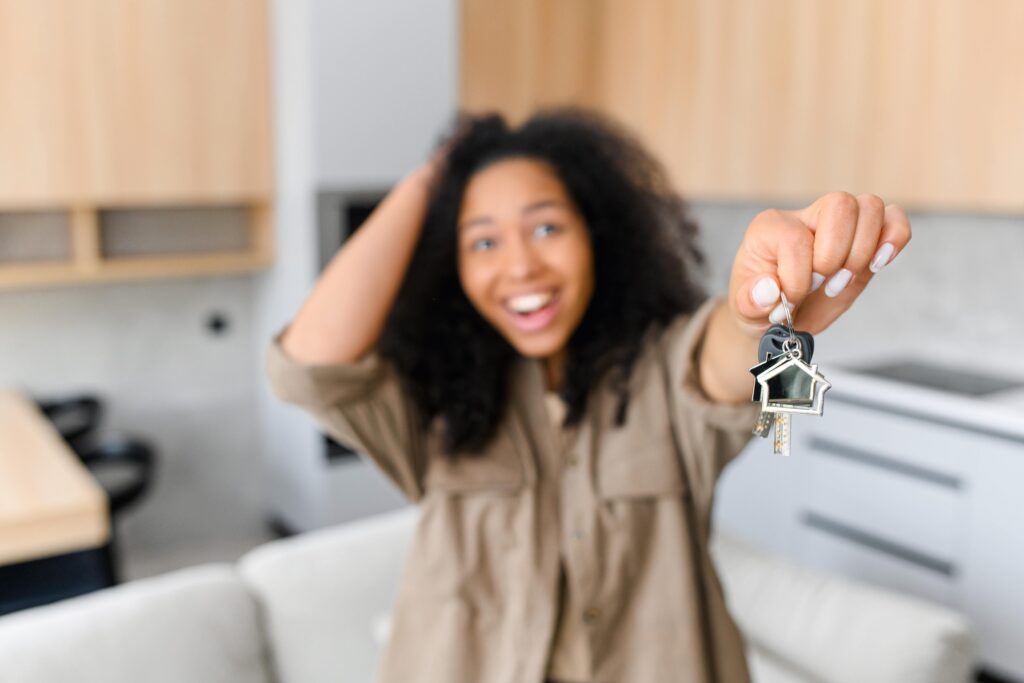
919,101
49,503
41,133
178,105
519,55
134,101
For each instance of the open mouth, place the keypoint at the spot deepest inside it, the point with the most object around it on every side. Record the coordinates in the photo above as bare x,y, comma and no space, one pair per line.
534,311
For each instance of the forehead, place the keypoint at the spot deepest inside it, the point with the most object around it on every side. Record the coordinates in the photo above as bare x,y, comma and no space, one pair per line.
503,188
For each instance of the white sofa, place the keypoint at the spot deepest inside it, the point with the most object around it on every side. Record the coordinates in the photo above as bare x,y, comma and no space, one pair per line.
313,608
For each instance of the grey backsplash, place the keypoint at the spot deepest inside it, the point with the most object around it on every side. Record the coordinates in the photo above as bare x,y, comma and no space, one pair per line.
955,295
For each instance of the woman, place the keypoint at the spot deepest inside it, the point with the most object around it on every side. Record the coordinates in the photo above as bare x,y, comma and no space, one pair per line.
516,338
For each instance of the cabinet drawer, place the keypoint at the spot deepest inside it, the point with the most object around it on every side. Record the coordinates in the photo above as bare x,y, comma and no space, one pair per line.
919,518
836,554
926,448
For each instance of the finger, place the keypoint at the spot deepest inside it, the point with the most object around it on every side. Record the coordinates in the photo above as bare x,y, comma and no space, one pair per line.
757,296
870,216
795,253
834,219
894,236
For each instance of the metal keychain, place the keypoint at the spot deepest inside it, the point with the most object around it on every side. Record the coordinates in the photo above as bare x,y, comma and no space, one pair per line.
785,384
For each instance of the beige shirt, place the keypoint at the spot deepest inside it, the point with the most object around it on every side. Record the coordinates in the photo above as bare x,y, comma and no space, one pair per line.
570,660
479,600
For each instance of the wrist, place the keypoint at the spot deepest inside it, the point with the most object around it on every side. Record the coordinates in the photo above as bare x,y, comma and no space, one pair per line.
726,355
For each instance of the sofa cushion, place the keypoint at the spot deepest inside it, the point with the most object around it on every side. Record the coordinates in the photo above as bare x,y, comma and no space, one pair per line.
321,592
196,624
841,630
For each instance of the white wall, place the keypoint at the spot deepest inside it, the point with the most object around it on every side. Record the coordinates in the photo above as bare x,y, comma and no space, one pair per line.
384,86
363,89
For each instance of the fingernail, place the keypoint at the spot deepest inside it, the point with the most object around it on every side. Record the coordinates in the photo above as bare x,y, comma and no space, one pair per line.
838,282
882,256
778,314
816,280
765,292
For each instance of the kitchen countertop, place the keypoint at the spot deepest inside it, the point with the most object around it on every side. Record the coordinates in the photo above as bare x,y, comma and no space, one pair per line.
999,413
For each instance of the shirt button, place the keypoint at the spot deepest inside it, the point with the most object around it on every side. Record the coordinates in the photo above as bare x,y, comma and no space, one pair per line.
571,459
590,614
578,535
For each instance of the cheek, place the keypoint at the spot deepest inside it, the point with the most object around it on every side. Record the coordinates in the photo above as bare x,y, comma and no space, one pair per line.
473,277
580,269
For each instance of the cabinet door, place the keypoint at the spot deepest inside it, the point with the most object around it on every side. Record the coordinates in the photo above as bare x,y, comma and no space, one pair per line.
176,99
134,101
41,126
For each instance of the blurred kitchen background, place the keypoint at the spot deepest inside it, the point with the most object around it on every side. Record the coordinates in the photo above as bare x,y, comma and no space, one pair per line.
174,173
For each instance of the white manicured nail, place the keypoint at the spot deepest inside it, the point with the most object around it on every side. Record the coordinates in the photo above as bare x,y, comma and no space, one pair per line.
882,257
765,292
778,314
838,282
816,280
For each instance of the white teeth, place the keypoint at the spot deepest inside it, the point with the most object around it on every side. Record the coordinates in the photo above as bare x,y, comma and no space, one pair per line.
529,303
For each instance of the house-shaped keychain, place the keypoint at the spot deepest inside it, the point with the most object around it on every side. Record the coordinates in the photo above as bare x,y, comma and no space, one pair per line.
791,386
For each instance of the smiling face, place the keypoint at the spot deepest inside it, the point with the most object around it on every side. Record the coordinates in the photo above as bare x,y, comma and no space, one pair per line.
524,254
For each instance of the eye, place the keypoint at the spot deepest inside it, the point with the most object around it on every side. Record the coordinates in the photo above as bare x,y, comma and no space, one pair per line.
482,244
545,229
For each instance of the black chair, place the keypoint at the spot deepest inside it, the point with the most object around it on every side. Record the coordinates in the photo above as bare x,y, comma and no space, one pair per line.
125,467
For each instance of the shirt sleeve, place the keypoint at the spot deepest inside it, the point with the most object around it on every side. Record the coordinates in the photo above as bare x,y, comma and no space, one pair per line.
360,404
712,433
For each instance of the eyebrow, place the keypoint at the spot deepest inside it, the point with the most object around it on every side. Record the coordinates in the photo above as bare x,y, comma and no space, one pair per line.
536,206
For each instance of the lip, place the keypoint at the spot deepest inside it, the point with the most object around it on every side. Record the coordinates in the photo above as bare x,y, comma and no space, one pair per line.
539,320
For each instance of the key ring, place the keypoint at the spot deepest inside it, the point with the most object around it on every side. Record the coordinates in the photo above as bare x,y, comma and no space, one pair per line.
792,345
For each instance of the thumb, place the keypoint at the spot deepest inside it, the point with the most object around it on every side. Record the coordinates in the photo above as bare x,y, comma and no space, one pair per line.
755,300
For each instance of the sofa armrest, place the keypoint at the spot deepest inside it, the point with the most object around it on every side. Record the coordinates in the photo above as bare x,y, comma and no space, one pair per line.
838,630
196,624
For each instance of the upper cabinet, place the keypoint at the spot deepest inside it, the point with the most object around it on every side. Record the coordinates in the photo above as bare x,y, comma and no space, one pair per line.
133,105
133,101
919,102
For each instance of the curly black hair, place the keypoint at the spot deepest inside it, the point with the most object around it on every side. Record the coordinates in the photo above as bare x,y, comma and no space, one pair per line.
452,362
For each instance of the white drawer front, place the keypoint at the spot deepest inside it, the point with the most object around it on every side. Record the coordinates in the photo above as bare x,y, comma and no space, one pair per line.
928,445
833,554
872,492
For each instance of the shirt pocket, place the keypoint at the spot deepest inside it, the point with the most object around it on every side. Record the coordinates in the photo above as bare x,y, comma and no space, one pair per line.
628,469
497,468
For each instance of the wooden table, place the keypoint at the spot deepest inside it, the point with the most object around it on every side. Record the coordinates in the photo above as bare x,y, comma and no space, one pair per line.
49,502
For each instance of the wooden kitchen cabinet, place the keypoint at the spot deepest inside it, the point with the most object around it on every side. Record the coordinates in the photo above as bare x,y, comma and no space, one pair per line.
134,104
918,102
904,488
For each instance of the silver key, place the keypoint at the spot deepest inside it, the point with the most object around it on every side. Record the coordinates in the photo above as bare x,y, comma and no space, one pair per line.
781,442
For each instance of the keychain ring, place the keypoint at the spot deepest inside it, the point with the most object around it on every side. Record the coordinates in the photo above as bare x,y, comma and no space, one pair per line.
792,347
789,318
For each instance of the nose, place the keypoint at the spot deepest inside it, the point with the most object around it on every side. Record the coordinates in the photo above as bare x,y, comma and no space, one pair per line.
522,260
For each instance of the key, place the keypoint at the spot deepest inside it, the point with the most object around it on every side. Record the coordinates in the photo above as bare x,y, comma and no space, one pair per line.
780,446
764,423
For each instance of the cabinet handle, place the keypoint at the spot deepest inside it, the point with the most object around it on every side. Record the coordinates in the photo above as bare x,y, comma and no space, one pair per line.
878,544
828,447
